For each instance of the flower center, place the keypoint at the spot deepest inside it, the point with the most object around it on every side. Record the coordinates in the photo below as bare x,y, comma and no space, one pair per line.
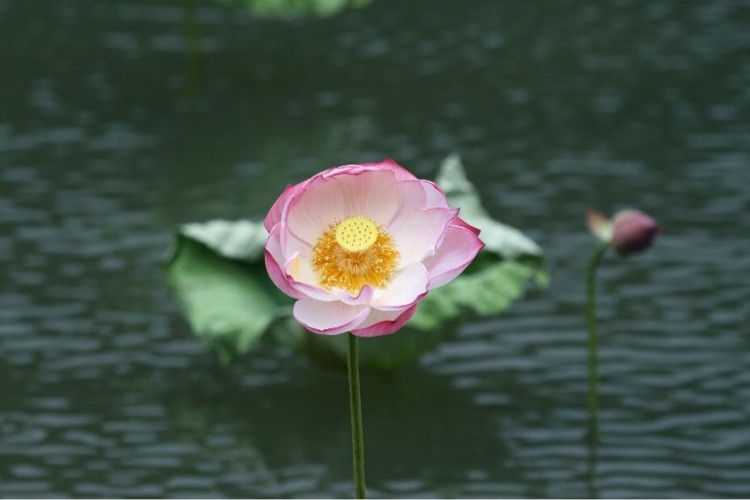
354,253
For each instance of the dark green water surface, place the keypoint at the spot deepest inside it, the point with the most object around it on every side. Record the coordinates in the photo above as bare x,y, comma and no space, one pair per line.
109,139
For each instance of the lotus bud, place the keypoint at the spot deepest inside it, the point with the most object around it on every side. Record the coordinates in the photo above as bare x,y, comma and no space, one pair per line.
630,231
633,231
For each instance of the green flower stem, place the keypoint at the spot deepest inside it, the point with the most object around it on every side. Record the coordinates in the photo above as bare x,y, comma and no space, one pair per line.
591,324
355,408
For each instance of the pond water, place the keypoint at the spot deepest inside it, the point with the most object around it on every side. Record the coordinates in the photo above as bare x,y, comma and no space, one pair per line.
110,137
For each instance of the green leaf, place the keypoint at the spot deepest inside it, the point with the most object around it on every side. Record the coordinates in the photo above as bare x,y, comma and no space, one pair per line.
228,303
505,241
242,239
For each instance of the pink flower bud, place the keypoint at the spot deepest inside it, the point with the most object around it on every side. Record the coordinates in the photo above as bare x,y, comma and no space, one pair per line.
633,231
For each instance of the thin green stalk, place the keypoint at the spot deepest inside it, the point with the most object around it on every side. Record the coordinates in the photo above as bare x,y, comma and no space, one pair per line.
355,409
591,324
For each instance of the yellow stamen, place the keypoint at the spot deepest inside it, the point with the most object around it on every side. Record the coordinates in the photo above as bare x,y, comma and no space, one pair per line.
354,253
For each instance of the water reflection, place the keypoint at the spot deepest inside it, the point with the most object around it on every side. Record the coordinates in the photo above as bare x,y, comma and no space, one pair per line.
301,439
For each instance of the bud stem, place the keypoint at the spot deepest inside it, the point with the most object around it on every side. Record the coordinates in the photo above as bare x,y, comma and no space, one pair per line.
591,325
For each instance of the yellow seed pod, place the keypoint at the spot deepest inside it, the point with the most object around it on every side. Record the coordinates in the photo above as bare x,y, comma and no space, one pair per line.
356,234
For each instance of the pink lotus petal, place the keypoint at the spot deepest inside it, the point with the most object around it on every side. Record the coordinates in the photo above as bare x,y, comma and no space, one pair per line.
411,197
313,292
384,322
353,169
388,164
408,286
293,275
287,246
274,268
364,297
460,222
417,194
325,202
315,208
379,202
435,195
274,215
329,318
459,248
302,278
291,245
420,233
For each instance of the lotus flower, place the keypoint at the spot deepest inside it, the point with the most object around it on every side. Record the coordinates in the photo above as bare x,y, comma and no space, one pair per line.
359,246
630,231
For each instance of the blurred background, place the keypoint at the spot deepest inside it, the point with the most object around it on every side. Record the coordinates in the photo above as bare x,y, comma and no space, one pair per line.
120,120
